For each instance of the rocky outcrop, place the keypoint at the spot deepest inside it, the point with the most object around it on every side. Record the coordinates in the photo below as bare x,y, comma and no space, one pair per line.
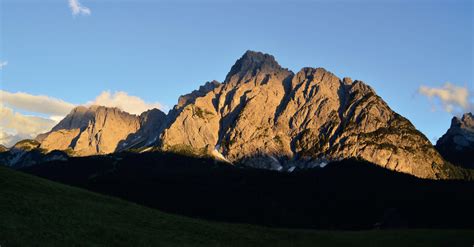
457,144
102,130
90,131
266,116
152,123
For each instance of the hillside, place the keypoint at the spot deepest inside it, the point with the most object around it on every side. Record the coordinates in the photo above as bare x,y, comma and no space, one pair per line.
345,195
38,212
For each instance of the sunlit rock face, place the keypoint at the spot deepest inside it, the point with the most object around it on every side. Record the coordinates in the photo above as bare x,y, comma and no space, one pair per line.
151,123
263,116
457,145
266,116
90,131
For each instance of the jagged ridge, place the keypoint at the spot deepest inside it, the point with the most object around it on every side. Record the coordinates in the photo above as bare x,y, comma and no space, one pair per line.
457,144
266,116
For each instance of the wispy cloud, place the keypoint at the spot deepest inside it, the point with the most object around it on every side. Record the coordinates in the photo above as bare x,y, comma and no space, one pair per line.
17,126
36,103
78,9
453,99
122,100
3,64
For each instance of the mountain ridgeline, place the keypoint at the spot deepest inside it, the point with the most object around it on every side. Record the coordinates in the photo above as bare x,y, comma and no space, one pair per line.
457,145
263,116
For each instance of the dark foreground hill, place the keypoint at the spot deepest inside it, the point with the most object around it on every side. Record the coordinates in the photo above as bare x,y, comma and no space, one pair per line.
37,212
345,195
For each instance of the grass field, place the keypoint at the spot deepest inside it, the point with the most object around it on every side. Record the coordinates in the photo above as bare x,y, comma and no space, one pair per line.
38,212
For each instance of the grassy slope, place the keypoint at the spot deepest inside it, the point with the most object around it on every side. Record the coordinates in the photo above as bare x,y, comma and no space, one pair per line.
37,212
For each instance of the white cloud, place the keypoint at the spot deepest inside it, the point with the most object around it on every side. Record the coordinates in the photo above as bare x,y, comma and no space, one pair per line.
122,100
3,64
453,99
36,103
16,126
78,9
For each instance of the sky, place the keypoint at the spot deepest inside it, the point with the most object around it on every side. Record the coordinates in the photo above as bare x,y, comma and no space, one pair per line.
56,54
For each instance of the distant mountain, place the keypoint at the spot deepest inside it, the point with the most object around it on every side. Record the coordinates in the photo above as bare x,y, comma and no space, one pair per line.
27,153
457,145
263,116
101,130
266,116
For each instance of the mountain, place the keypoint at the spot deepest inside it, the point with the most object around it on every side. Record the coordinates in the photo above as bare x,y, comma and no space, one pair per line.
27,153
100,130
37,212
457,144
266,116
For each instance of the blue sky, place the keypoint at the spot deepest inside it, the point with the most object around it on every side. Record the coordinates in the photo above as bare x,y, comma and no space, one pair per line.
158,50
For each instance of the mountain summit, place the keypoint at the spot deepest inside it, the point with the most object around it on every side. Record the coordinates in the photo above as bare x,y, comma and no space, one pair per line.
457,145
250,64
268,117
99,130
89,131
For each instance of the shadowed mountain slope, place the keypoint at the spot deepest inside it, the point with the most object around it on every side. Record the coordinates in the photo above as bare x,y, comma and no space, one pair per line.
457,144
347,194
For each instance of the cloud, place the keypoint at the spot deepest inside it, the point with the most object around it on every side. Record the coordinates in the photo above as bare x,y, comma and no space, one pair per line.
453,99
3,64
36,103
122,100
16,126
78,9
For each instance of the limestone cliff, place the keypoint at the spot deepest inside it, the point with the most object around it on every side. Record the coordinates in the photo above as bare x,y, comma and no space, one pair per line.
266,116
152,123
89,131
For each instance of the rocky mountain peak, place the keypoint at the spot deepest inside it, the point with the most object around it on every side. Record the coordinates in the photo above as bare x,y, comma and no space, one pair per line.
457,144
461,130
77,118
91,130
203,90
465,122
268,117
251,64
101,130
